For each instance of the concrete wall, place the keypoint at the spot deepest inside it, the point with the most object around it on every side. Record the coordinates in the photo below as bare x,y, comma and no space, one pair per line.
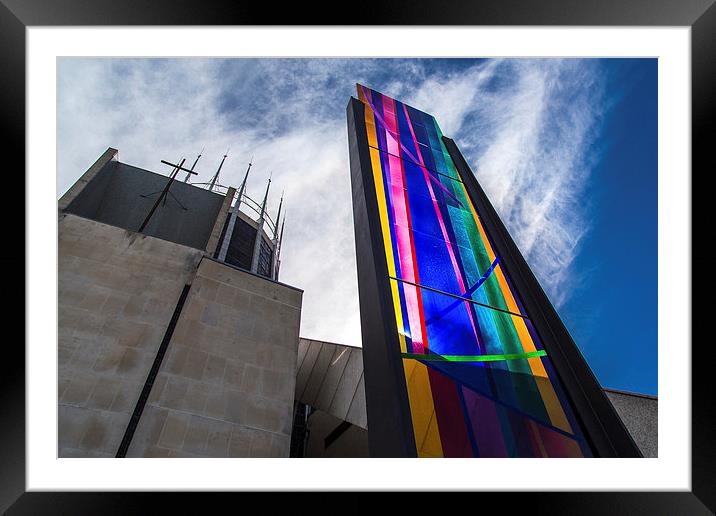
226,385
122,195
92,183
117,292
330,378
352,442
640,414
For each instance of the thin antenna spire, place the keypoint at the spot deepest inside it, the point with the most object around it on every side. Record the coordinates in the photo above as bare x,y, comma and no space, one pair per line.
259,233
280,238
263,205
278,216
197,158
277,261
186,179
243,183
216,176
232,219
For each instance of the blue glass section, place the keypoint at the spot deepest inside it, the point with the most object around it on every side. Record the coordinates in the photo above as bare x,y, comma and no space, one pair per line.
457,327
423,218
406,137
454,335
450,255
422,136
434,263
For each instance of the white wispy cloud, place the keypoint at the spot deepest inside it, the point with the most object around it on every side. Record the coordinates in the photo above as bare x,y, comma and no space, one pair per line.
525,126
152,111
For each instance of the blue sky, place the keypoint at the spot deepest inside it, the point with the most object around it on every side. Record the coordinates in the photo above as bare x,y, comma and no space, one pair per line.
566,150
615,309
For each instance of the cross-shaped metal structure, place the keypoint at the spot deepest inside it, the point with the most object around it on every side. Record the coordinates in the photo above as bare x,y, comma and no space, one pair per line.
164,193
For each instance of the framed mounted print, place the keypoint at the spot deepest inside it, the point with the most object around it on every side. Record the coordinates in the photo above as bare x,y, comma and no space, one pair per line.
438,253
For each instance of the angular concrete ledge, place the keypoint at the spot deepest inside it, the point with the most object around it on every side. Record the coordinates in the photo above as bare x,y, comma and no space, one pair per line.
71,194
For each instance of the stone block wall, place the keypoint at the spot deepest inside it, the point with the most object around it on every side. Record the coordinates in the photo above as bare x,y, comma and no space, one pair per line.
226,384
640,414
117,291
330,378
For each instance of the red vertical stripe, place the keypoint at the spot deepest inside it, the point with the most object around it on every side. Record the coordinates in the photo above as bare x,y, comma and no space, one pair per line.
419,341
486,426
443,229
451,421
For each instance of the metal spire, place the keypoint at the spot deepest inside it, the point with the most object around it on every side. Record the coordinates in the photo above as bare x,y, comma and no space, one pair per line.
216,176
278,217
232,219
243,183
263,204
280,238
259,231
186,179
277,261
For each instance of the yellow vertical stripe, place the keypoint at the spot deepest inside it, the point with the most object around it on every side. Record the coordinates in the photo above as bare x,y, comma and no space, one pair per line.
422,409
384,221
431,445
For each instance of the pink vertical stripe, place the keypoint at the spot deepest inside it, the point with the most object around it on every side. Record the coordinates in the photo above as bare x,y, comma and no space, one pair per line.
402,235
443,229
396,176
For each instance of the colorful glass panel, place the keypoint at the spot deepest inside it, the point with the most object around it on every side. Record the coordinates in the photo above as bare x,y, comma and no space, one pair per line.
479,381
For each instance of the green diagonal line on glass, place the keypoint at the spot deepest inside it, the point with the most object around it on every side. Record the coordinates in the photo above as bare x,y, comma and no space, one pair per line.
475,358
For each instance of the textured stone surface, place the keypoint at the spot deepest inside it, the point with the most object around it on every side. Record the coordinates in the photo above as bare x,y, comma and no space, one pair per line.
226,386
330,379
640,414
318,373
117,291
91,173
230,366
215,234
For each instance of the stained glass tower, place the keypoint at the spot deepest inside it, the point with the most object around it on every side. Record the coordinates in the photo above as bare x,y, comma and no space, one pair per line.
464,355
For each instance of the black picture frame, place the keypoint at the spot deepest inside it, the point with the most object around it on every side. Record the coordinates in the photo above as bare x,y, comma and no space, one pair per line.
17,15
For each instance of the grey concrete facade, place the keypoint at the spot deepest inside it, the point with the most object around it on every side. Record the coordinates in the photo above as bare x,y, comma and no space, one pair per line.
89,176
330,379
122,195
117,291
640,414
328,439
215,235
225,386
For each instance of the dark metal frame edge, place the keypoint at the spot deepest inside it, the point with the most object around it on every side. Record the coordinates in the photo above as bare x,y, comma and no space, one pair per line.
16,15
